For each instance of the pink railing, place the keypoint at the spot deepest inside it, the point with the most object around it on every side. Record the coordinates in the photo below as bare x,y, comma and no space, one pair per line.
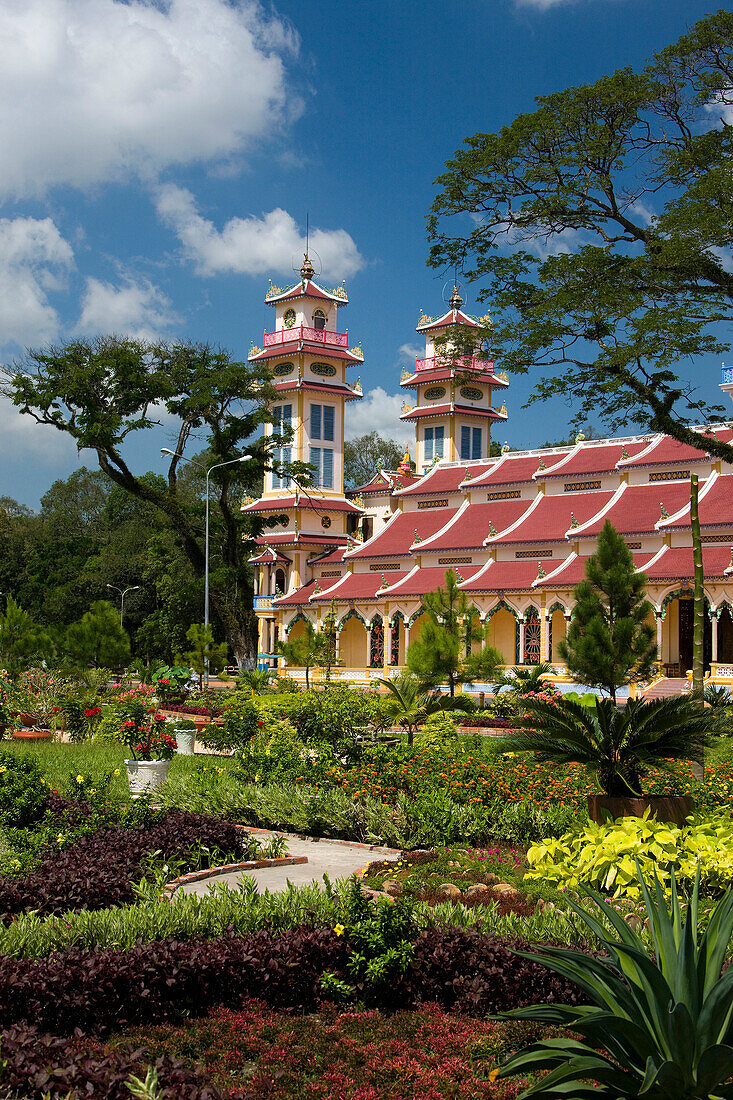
466,362
303,332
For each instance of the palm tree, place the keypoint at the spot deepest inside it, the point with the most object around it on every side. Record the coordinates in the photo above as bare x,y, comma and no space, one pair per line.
410,703
615,744
257,679
525,680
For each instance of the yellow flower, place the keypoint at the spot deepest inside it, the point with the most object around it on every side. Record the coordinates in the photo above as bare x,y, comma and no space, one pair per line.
80,778
93,790
493,1075
3,769
60,838
117,771
339,929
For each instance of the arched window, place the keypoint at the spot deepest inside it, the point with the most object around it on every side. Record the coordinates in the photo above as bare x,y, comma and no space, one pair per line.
376,643
280,580
319,319
531,637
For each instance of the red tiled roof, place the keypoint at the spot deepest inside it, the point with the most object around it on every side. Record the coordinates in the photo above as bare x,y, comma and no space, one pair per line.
283,351
443,374
675,563
420,581
344,391
452,317
398,535
445,407
716,504
503,576
639,507
511,469
446,479
591,458
357,586
331,557
572,571
470,526
553,517
288,538
322,504
296,599
269,555
663,450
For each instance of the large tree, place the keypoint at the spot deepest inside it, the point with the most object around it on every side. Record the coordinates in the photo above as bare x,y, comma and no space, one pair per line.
600,227
104,393
611,639
366,455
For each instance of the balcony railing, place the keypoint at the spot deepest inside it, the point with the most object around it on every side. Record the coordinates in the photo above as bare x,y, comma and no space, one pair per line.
262,603
727,379
465,362
303,332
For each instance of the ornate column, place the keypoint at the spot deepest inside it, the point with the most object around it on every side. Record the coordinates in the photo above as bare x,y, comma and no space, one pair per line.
714,650
520,627
387,656
545,654
660,623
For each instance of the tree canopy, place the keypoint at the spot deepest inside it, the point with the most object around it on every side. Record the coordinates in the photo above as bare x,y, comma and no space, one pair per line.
600,229
367,455
103,393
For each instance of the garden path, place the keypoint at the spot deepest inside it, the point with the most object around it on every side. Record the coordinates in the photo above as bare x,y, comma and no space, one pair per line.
335,858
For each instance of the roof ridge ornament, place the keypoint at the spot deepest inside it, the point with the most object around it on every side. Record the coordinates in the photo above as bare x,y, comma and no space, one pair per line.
665,513
573,520
541,572
455,301
624,452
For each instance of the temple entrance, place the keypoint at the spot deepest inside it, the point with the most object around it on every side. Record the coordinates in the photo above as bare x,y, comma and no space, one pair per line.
725,637
685,636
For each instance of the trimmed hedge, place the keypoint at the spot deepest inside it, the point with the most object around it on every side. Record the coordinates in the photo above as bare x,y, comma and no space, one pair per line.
101,991
97,871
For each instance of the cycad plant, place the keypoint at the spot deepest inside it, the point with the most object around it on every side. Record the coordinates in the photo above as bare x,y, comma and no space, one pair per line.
656,1026
524,680
615,743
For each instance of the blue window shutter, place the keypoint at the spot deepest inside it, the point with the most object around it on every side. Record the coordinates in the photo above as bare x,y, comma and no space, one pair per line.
328,411
315,460
327,479
276,480
315,421
428,443
287,415
476,449
439,442
465,443
277,415
286,453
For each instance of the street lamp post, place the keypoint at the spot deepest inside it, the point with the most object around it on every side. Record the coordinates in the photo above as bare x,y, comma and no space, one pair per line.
132,588
216,466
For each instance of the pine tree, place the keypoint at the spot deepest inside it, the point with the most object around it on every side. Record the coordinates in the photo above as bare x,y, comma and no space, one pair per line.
442,653
610,641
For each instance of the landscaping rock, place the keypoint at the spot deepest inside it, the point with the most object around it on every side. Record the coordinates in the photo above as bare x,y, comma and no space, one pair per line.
449,890
392,887
477,891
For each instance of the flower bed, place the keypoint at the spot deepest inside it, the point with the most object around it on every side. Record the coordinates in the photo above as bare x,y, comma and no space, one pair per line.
97,991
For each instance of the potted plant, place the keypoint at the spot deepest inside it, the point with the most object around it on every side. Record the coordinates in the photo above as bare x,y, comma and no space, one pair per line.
171,683
151,746
617,744
184,730
33,703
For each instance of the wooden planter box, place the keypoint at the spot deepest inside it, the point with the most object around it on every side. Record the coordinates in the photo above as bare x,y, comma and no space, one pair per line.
673,808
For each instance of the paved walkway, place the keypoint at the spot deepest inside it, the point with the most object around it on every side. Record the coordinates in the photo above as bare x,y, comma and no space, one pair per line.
334,858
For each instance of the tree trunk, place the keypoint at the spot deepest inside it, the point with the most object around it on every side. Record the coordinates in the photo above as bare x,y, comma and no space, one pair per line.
698,616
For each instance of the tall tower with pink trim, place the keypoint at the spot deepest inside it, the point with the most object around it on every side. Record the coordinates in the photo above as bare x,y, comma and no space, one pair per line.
454,409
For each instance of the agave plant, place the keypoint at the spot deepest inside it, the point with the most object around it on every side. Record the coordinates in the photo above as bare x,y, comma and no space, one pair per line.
658,1027
615,743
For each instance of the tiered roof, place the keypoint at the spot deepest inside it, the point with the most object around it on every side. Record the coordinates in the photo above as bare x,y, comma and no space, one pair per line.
662,450
637,509
472,524
513,469
398,534
419,581
302,500
552,519
357,586
715,504
445,479
594,458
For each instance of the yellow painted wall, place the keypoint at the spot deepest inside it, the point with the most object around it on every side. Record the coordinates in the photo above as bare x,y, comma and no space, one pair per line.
502,635
353,645
558,633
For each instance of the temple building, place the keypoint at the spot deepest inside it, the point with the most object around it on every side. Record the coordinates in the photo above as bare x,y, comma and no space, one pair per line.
516,528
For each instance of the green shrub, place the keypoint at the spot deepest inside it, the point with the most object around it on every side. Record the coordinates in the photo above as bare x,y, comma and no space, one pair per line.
22,790
241,722
276,753
526,822
439,731
336,715
108,729
605,857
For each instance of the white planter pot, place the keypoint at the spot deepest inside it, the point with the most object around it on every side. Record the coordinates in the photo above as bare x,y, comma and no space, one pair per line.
185,739
144,776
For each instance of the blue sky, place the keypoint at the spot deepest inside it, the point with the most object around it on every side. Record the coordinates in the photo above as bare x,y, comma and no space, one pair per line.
159,160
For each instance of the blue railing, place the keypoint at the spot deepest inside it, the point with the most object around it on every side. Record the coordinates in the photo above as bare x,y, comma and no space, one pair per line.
262,603
727,376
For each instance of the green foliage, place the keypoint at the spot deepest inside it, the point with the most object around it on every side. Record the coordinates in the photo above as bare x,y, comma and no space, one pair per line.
366,455
204,653
336,715
310,649
98,638
526,680
276,753
381,940
615,744
22,643
258,680
610,640
442,653
241,721
22,791
605,857
657,1023
408,704
634,296
526,822
438,731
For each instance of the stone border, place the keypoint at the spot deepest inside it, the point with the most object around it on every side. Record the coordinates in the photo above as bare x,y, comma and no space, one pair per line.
213,872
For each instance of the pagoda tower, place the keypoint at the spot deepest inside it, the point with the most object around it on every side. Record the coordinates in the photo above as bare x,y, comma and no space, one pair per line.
453,410
308,357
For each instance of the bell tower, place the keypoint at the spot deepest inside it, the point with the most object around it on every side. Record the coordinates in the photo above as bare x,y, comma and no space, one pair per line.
453,410
308,357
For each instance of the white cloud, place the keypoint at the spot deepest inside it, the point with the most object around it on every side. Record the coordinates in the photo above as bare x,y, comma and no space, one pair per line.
136,309
253,246
93,90
408,353
22,438
33,257
379,412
